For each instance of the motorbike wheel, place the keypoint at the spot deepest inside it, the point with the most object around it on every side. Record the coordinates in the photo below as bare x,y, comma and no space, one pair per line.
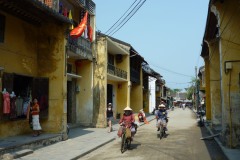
128,143
161,133
123,144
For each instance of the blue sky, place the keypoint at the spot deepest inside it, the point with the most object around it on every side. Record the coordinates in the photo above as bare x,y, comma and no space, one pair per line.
168,34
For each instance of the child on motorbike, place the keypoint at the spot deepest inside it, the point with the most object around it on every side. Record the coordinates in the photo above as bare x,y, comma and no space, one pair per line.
162,116
128,119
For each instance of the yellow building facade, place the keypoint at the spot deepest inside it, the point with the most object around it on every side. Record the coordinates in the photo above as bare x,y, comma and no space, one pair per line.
222,58
32,63
111,79
80,60
38,59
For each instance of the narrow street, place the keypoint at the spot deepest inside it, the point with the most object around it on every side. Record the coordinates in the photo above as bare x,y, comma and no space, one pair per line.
182,142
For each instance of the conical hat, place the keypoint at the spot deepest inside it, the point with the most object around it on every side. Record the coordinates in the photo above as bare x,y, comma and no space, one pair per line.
127,108
161,106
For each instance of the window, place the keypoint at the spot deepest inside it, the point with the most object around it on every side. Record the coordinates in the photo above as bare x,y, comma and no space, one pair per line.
25,87
111,59
2,28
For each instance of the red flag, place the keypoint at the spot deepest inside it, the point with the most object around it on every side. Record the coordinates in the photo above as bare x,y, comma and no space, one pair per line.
90,33
78,31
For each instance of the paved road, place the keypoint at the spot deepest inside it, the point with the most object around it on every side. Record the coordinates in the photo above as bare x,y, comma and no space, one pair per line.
182,143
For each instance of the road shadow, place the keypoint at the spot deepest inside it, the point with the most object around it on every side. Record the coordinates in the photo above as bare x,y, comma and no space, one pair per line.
77,132
134,146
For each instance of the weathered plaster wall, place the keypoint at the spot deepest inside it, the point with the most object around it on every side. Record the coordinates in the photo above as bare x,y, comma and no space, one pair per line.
207,90
215,85
85,96
122,97
100,84
136,98
230,40
37,52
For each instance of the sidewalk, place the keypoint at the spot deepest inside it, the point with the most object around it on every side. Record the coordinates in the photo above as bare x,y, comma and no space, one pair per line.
81,142
231,154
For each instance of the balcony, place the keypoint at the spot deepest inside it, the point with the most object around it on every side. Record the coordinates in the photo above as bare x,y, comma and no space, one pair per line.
134,76
79,48
34,11
112,70
87,4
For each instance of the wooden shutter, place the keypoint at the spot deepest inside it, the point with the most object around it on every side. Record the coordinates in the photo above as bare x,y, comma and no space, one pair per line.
41,92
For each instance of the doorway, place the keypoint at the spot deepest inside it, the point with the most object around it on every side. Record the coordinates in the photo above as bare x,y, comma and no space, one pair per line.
71,102
109,93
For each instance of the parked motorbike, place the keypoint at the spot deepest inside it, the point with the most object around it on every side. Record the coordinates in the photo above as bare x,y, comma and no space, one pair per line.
201,113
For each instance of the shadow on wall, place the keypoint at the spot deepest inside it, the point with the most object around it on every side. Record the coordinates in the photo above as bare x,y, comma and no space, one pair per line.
96,105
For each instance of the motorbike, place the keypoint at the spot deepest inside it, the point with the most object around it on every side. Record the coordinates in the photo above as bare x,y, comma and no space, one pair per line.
140,117
162,128
201,114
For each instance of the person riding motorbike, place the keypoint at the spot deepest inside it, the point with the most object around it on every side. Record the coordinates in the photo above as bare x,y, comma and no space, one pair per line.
162,116
128,119
141,116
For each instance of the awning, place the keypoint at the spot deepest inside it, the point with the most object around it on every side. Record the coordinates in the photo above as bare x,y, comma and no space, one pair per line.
73,75
113,48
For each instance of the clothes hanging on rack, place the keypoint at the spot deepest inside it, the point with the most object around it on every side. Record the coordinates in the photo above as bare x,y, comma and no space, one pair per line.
19,106
13,111
6,103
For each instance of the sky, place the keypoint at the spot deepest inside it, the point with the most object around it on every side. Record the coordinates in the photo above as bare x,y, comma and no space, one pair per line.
167,33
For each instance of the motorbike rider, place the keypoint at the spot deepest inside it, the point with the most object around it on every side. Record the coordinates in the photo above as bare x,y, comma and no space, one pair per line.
161,116
141,116
128,119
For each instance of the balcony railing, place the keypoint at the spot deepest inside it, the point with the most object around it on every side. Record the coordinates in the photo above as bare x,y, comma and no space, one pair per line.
116,71
80,46
88,4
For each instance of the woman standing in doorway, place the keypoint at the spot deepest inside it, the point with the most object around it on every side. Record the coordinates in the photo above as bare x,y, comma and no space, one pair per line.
34,111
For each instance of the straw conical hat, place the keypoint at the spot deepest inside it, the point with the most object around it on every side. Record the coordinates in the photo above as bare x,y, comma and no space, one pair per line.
127,108
161,106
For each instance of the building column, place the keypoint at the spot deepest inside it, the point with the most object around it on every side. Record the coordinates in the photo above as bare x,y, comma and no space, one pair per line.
207,82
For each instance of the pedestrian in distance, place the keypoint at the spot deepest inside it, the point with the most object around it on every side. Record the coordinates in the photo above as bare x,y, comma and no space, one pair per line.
34,110
110,116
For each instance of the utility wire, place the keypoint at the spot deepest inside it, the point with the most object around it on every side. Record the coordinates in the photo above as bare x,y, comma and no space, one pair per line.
130,17
172,71
125,17
120,17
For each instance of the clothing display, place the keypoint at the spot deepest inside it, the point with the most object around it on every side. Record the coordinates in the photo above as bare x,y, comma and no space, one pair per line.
19,106
13,111
6,103
25,107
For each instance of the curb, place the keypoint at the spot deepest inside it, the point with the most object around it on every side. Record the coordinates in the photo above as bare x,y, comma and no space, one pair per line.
91,150
218,142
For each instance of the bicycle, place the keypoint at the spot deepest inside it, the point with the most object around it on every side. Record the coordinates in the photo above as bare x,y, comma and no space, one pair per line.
126,141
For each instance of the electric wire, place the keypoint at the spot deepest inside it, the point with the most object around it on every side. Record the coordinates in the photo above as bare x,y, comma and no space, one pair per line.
130,17
120,17
171,71
124,18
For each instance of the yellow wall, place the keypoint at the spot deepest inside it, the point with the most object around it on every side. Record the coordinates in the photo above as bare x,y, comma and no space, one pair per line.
85,96
122,97
38,52
230,49
146,101
207,82
215,89
100,83
136,95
